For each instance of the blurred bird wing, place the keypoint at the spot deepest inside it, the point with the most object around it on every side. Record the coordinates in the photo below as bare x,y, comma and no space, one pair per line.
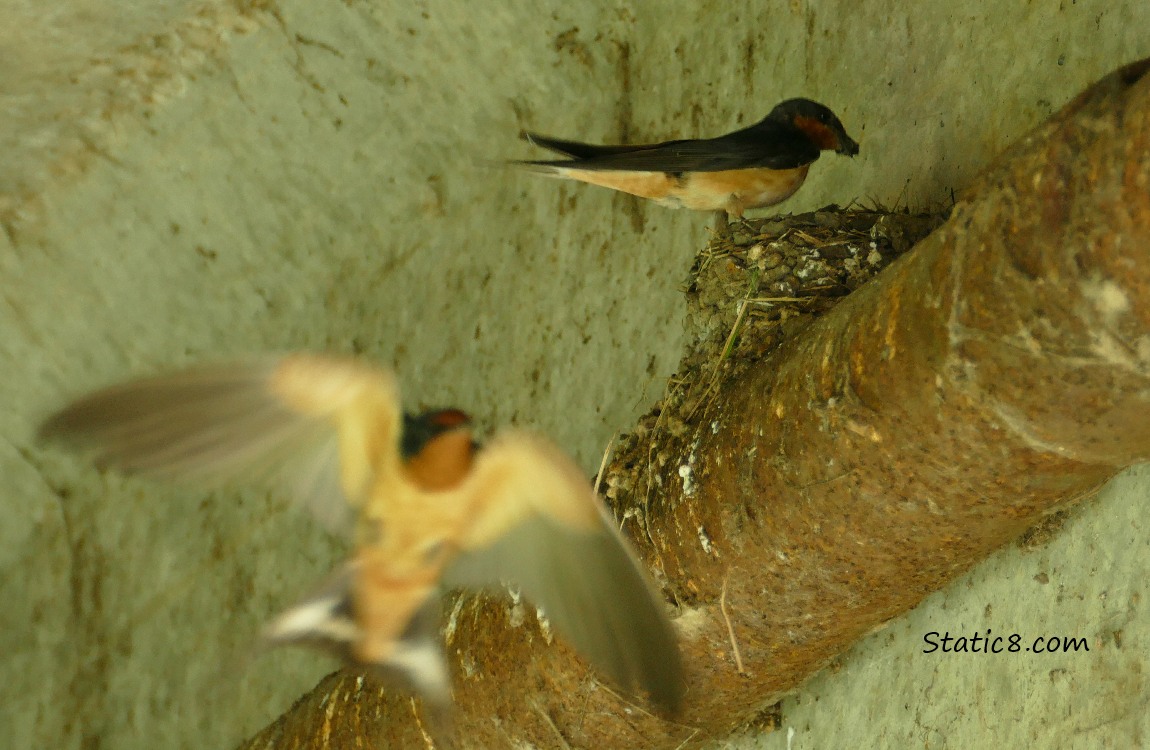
765,144
321,426
540,528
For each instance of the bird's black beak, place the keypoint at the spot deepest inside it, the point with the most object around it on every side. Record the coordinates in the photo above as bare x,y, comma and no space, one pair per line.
847,147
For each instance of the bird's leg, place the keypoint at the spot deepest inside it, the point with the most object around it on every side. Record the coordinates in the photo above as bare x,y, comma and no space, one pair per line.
722,225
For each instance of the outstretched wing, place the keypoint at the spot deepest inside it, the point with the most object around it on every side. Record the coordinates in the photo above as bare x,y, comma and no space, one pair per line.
765,144
538,526
321,425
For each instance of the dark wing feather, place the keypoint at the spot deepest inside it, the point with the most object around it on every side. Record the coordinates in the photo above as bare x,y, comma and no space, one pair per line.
577,149
766,144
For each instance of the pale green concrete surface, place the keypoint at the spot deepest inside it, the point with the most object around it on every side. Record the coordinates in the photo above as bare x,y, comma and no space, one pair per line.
188,180
1088,583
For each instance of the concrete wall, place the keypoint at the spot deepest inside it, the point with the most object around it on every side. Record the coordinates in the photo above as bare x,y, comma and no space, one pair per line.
185,180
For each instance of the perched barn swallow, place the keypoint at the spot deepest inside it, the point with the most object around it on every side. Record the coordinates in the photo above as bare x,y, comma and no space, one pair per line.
755,167
433,510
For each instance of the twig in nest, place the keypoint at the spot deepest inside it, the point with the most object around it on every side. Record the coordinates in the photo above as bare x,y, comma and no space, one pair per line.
672,387
728,346
710,254
427,741
730,628
762,300
809,239
603,463
634,706
551,723
625,699
683,744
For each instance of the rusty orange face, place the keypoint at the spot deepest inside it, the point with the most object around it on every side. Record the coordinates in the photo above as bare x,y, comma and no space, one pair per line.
820,134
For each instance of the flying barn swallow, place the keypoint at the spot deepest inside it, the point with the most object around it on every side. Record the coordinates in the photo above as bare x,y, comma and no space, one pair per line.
433,510
757,166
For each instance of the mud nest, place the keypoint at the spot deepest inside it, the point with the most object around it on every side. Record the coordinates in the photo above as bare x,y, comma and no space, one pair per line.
764,281
750,289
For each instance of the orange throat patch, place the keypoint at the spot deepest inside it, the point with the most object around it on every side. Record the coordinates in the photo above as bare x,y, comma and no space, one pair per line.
443,463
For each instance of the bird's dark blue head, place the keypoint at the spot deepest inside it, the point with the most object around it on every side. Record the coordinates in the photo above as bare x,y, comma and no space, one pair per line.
421,429
818,122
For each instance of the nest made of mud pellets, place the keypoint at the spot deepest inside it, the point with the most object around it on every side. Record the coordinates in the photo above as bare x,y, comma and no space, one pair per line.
751,288
779,273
